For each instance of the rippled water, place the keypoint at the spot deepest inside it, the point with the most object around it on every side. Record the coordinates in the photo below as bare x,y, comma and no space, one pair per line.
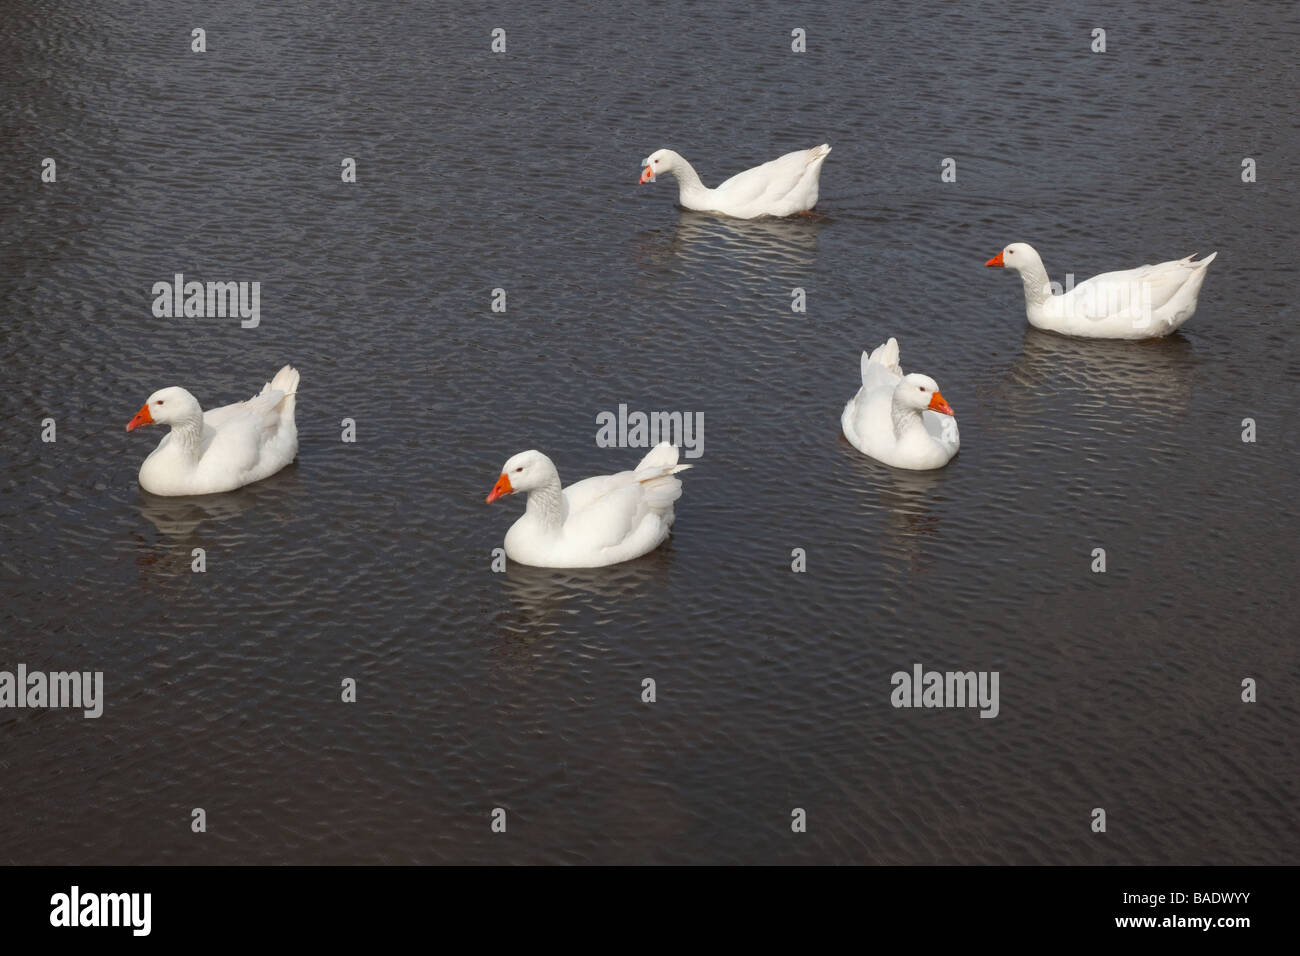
522,690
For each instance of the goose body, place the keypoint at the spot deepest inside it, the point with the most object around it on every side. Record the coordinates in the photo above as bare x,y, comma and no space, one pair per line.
594,522
782,187
221,449
901,420
1144,303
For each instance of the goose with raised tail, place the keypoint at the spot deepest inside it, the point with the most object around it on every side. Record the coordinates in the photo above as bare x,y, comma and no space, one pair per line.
594,522
1148,302
781,187
902,420
222,449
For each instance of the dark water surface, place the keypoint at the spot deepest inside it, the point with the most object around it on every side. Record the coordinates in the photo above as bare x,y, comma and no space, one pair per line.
522,690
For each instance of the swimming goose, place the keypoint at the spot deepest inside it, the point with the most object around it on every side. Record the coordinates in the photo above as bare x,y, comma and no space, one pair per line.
1148,302
902,420
594,522
222,449
781,187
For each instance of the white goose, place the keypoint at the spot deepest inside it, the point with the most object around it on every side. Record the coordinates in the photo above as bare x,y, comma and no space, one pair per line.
1144,303
594,522
781,187
899,419
222,449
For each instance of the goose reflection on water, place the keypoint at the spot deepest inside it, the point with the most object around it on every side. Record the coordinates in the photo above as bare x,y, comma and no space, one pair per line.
181,516
905,508
1149,380
754,245
546,601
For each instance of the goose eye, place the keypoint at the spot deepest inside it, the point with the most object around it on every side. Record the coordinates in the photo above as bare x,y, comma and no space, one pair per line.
160,401
519,469
920,388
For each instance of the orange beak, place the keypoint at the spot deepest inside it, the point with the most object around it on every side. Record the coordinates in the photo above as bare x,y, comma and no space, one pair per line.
938,404
995,262
502,487
142,417
647,176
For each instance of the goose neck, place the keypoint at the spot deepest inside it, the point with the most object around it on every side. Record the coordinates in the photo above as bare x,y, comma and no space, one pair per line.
546,504
688,180
906,419
1038,287
187,435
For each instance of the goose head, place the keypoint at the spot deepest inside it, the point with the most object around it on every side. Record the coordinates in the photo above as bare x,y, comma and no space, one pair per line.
921,392
524,472
165,406
660,161
1019,256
